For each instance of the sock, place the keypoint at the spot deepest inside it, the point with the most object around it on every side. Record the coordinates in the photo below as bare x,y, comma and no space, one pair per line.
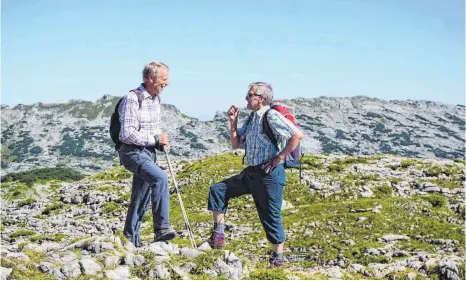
278,255
219,227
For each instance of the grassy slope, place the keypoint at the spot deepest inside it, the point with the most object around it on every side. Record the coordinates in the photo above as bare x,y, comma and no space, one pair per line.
331,215
398,215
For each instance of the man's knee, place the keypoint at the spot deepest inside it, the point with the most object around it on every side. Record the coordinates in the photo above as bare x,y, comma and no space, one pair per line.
276,238
162,181
215,188
160,187
152,173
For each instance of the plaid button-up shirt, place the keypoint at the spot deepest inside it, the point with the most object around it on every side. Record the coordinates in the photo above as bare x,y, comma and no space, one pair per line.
139,124
258,147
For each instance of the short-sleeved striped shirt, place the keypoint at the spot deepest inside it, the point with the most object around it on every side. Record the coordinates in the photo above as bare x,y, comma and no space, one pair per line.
139,124
258,147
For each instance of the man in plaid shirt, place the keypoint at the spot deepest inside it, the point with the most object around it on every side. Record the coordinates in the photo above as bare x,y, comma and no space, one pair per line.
264,177
140,135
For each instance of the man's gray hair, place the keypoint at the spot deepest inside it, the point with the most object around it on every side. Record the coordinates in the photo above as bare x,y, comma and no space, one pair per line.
152,69
263,89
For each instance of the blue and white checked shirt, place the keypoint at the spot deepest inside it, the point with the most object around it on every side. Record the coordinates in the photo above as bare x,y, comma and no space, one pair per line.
258,146
139,126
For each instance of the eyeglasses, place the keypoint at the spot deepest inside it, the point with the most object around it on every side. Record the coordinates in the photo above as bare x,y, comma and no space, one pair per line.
249,95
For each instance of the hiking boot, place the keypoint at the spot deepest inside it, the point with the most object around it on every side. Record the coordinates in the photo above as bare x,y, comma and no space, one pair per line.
275,262
217,240
164,234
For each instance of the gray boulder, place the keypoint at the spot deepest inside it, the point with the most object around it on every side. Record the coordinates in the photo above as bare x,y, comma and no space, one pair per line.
111,261
120,273
89,266
190,253
71,271
394,237
5,272
162,272
448,270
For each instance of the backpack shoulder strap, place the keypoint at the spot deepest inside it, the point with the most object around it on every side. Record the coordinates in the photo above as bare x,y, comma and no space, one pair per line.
248,121
118,105
267,130
139,95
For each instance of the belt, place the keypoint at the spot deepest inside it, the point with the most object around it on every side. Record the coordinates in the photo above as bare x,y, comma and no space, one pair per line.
133,146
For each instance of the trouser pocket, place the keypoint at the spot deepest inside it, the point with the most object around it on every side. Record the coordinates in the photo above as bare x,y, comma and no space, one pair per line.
132,160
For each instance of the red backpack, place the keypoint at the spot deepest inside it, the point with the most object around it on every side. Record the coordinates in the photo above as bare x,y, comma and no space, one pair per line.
292,159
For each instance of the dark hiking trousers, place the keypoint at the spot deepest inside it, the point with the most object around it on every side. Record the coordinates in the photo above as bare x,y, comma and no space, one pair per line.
149,182
266,190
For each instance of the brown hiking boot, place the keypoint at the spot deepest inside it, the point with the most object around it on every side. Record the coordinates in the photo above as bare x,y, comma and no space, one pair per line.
217,240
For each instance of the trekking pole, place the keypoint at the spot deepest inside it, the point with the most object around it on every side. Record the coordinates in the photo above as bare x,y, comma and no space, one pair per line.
185,217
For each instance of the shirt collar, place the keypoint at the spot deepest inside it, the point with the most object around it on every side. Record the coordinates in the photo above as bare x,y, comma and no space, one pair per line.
261,111
146,93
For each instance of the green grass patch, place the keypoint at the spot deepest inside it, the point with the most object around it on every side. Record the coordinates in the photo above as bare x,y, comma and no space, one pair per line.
29,273
206,261
44,174
17,190
21,245
26,202
383,191
437,201
268,274
56,237
119,234
450,184
449,170
312,162
54,187
336,168
22,233
409,162
113,174
351,160
35,256
37,238
395,180
109,188
111,207
54,208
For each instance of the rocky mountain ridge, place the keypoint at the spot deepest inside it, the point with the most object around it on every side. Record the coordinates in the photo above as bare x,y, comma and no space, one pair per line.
75,134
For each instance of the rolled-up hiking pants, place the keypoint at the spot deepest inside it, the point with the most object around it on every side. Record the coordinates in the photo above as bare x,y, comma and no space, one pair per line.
149,182
266,190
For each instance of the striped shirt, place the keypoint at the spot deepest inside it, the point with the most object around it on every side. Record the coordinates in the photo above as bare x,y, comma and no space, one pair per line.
139,124
258,147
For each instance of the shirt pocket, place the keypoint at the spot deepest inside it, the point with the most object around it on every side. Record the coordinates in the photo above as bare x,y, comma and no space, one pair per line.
263,141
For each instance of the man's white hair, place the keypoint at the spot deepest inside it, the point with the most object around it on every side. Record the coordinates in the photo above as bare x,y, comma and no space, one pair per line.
263,89
152,69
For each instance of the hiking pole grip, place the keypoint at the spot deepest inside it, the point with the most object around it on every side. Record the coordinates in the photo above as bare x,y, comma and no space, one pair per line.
185,216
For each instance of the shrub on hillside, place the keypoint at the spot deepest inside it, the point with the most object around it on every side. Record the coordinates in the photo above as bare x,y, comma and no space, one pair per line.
31,176
436,200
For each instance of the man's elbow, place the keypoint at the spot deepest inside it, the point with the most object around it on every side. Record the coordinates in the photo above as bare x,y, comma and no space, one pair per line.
298,134
125,135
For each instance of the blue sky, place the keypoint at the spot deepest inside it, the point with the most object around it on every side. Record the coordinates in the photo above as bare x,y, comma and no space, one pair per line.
55,50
